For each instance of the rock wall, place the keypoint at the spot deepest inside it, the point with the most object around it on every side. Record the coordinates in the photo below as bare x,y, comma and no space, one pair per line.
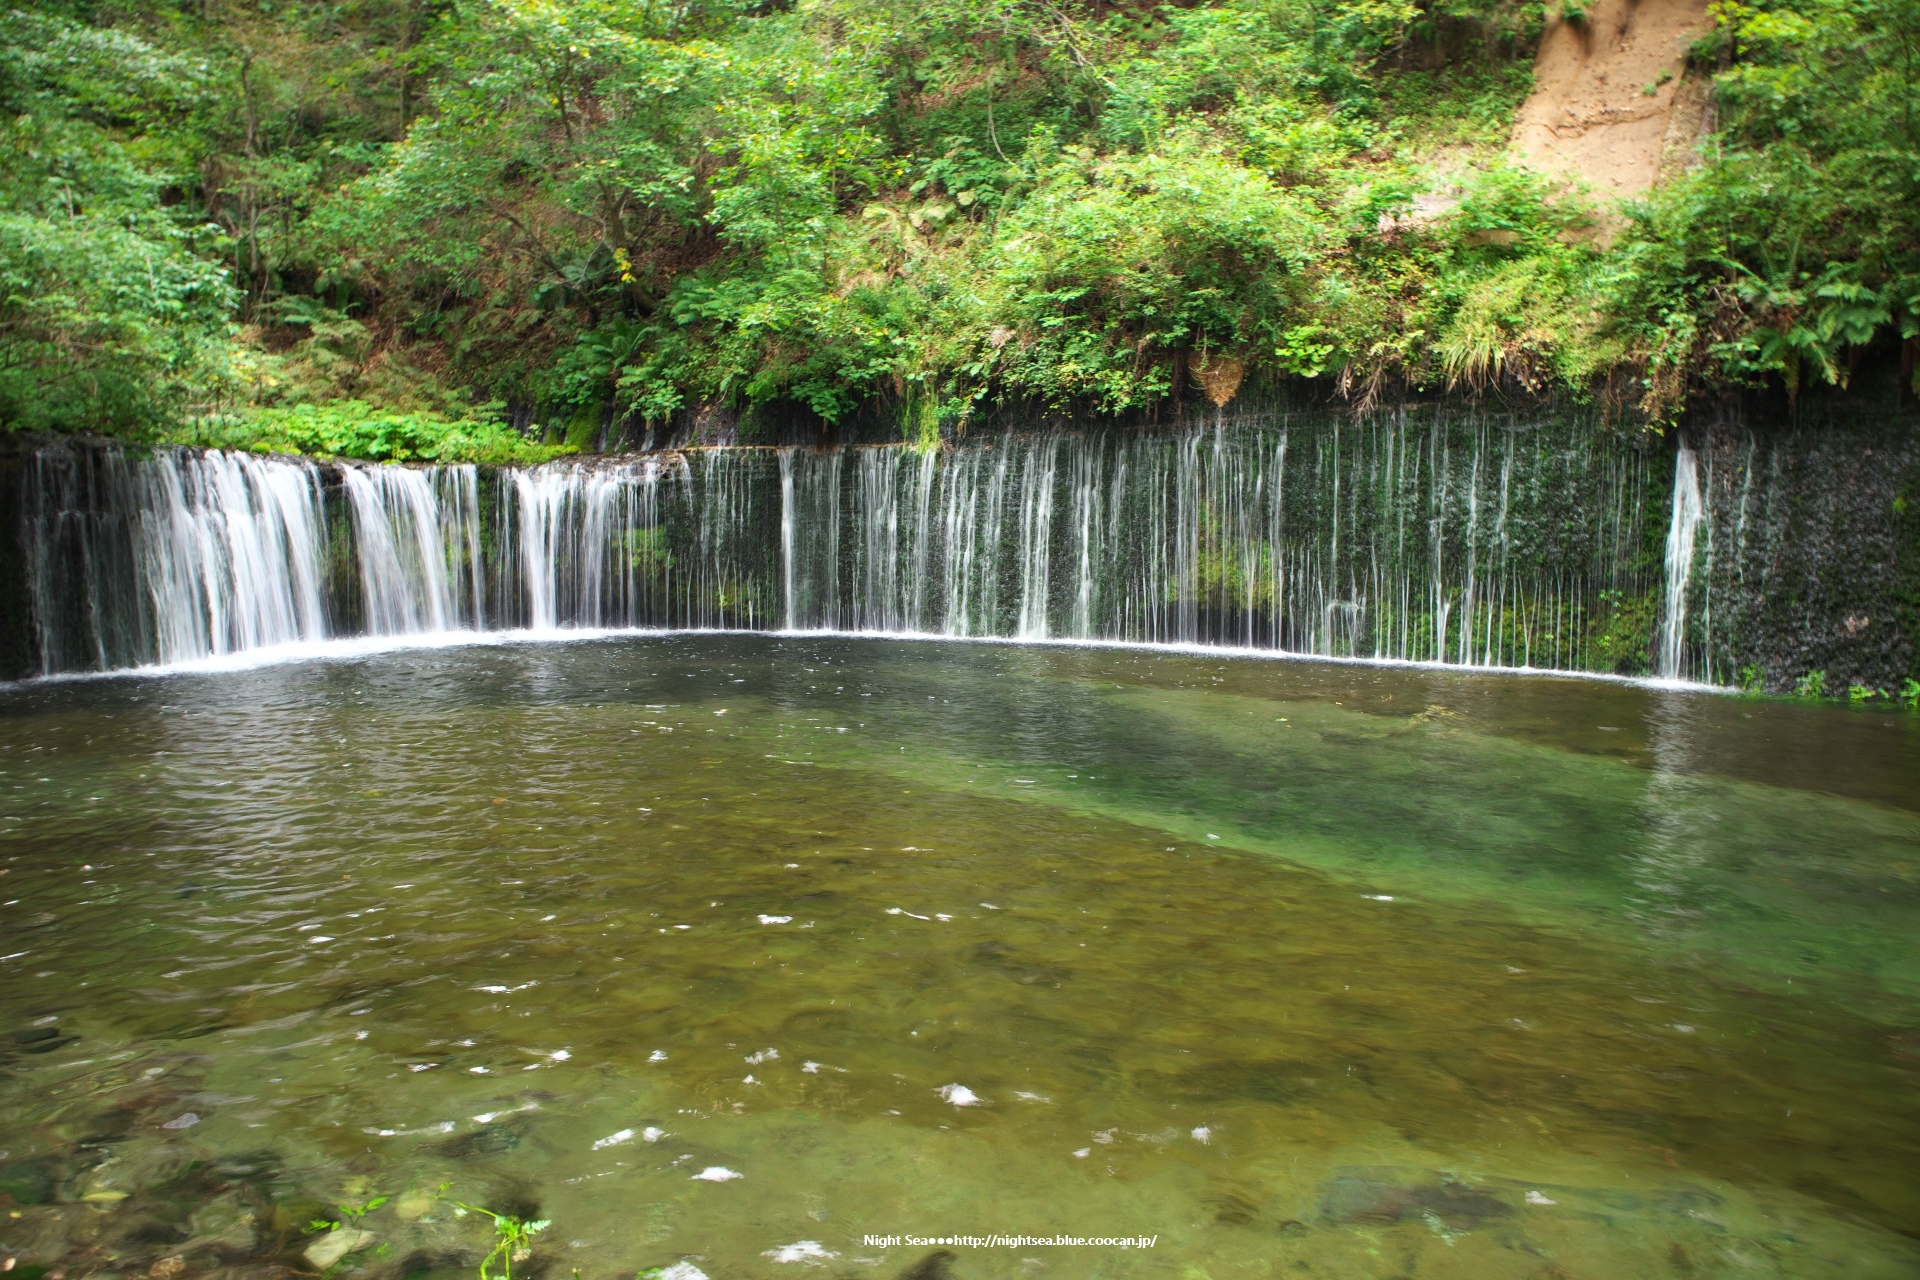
1814,566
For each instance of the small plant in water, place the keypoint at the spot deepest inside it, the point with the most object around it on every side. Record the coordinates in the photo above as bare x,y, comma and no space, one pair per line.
1811,685
350,1215
512,1240
1910,693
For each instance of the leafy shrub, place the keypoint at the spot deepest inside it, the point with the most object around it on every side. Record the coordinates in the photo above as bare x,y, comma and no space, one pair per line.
352,429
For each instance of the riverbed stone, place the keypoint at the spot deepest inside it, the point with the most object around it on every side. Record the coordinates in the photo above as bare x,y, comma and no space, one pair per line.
335,1245
223,1226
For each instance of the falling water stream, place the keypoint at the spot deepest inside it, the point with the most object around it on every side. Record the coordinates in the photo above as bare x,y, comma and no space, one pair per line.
1688,513
1459,541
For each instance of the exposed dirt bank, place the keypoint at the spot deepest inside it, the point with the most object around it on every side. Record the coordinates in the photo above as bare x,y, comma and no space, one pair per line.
1612,104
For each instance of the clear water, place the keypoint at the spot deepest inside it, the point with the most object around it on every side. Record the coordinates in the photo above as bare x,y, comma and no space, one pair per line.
1297,968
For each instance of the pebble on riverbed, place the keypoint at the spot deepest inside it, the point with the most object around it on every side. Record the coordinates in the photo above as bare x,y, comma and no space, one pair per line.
335,1245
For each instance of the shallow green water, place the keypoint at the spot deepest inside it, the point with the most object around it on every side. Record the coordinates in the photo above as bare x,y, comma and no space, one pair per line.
1301,969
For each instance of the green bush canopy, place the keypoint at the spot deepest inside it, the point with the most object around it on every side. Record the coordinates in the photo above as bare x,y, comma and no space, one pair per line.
912,207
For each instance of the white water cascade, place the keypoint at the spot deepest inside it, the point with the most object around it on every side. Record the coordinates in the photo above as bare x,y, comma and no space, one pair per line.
1682,533
1467,541
417,536
193,556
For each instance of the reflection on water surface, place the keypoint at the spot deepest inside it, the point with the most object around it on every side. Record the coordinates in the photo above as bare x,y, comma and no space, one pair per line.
1300,969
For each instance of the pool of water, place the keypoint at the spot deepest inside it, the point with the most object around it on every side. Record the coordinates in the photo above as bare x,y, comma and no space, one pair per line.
1294,968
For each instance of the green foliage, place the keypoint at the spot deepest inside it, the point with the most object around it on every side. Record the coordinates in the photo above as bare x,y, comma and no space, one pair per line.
1811,685
512,1240
1112,262
1797,242
841,204
350,1214
354,429
111,311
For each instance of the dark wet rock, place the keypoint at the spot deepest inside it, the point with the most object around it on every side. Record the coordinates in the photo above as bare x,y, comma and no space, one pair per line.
514,1197
223,1227
110,1125
1231,1208
31,1181
259,1168
1002,959
138,1232
1351,1198
1384,1197
42,1232
492,1140
937,1265
1460,1206
285,1224
427,1262
137,1168
1691,1201
1279,1081
36,1040
51,1046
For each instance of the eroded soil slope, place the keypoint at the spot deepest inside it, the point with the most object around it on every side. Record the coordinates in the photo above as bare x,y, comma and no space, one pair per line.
1612,104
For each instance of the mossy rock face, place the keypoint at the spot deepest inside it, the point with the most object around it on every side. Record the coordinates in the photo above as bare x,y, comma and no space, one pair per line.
583,430
1816,553
1906,591
1621,640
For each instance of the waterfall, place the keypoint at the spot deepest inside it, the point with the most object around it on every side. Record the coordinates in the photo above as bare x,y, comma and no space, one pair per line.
1406,536
786,538
546,500
1036,539
1682,531
182,557
229,544
1399,538
401,536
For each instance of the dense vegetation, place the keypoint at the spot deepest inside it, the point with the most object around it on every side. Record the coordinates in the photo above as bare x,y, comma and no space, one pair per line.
593,209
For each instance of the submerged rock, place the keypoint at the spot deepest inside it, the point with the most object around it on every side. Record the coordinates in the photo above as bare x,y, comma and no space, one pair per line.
224,1225
413,1206
335,1245
1383,1197
937,1265
39,1039
492,1140
30,1181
